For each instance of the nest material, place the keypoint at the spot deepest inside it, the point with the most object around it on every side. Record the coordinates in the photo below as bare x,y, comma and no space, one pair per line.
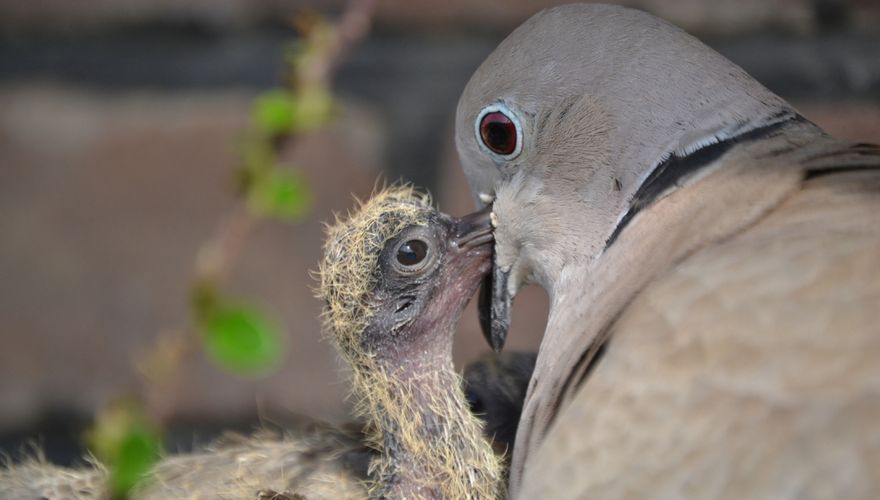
320,461
350,271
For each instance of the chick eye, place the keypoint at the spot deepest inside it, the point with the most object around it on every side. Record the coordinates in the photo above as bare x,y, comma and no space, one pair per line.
498,130
412,253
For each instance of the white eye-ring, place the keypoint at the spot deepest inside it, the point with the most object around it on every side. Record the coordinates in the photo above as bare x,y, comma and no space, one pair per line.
498,131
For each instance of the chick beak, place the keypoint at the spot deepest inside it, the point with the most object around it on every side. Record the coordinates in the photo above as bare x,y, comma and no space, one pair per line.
473,230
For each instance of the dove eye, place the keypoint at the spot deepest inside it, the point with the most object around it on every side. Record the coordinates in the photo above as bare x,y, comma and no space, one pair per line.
499,131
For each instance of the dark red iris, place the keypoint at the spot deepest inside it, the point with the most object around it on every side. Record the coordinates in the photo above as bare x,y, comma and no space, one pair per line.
498,132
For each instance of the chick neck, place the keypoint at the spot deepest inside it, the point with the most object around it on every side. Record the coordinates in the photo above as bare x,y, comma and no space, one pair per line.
431,445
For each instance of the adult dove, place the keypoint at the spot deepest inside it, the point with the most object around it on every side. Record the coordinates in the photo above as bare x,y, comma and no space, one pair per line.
712,260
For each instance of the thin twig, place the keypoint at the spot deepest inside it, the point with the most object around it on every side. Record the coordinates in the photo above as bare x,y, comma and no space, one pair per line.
217,256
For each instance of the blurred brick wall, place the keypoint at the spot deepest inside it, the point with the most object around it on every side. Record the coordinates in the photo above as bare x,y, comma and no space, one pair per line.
105,200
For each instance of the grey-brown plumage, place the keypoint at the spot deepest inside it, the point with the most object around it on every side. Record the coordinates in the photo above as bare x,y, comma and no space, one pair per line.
724,250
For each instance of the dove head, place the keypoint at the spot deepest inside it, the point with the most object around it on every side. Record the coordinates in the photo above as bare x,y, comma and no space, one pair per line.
573,114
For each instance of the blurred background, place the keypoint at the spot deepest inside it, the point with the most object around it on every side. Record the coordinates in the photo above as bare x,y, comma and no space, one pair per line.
120,129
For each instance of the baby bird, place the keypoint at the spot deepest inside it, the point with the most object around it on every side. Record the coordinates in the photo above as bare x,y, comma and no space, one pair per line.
395,279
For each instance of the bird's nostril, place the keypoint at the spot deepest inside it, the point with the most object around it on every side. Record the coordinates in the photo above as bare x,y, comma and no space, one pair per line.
404,306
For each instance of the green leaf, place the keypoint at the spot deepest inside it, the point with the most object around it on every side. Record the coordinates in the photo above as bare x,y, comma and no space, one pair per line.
138,451
127,443
275,112
241,339
280,194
